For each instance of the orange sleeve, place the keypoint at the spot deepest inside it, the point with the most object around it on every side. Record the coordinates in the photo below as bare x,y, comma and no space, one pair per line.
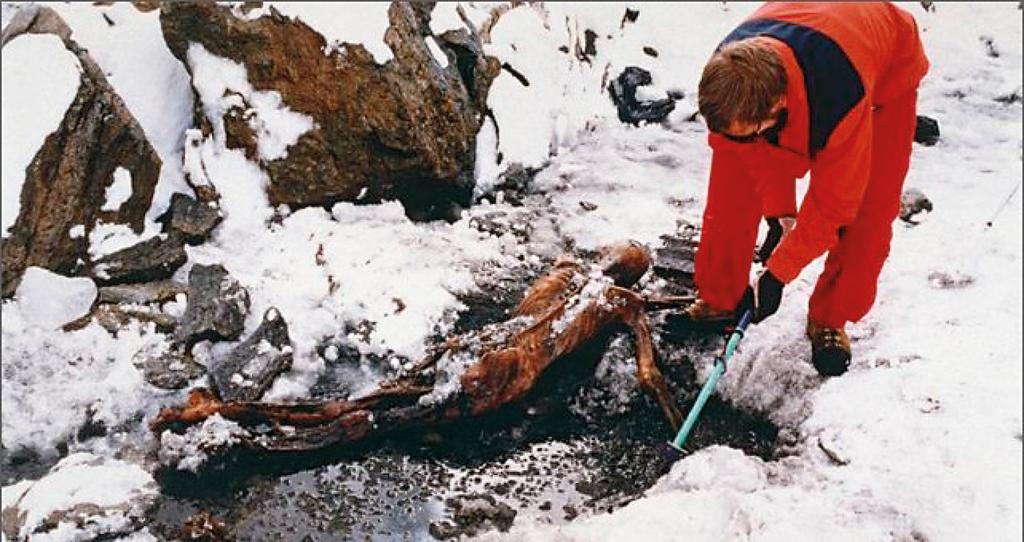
777,190
839,175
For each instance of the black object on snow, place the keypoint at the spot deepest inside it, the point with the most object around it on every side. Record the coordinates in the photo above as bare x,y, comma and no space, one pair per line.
623,92
927,131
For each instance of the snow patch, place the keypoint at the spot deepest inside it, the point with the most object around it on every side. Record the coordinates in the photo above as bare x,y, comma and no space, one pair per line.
486,167
82,374
34,102
191,450
106,239
49,300
119,191
435,49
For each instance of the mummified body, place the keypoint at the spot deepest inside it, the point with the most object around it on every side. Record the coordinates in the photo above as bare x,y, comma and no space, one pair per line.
473,374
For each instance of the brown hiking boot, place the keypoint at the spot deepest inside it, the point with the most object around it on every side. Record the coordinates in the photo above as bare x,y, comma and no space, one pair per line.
830,349
703,316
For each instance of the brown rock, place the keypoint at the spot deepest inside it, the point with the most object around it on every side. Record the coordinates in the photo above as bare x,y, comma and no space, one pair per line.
405,129
66,182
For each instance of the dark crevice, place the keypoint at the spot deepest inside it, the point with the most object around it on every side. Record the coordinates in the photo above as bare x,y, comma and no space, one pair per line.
515,73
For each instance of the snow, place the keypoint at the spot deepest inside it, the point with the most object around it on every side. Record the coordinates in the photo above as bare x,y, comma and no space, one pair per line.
438,53
351,22
567,94
81,374
191,450
34,103
486,168
119,191
105,239
126,491
49,300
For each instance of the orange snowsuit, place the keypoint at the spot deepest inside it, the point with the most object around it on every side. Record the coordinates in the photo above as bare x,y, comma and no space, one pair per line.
852,75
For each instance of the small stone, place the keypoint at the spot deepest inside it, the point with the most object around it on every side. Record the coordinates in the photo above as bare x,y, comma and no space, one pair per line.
913,202
631,110
191,219
927,131
170,369
205,527
248,371
570,512
156,258
114,318
217,305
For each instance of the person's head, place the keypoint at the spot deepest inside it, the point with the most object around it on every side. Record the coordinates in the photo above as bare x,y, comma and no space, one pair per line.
742,89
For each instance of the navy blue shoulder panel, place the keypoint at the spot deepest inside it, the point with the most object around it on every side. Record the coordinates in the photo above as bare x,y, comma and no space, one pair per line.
833,85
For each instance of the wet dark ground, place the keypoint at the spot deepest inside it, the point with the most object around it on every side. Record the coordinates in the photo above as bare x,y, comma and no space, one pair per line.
575,446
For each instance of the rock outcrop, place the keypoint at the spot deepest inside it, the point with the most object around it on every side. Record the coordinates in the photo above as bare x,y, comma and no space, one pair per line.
405,129
67,180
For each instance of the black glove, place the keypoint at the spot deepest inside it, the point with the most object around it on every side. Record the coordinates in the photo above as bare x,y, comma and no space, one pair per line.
768,292
763,298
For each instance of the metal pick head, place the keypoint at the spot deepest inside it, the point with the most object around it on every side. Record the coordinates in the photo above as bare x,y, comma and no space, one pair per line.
670,453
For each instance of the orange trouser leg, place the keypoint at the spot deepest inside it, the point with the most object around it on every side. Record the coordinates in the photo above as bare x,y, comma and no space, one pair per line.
846,289
728,234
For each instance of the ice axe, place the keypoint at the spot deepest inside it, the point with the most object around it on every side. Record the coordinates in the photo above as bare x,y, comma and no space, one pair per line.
673,451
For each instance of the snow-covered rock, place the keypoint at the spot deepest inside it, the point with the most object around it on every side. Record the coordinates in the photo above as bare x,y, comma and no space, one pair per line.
84,497
127,44
81,135
331,124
